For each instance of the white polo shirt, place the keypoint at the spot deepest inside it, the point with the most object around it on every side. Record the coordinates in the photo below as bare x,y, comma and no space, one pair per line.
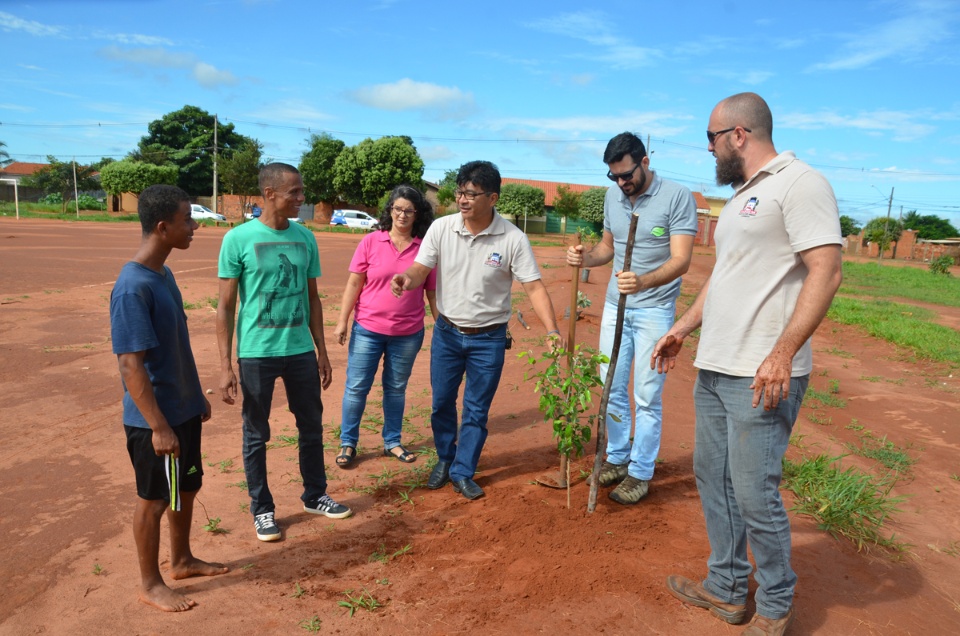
475,273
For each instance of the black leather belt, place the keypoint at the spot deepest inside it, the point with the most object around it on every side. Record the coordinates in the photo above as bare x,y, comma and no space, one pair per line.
471,331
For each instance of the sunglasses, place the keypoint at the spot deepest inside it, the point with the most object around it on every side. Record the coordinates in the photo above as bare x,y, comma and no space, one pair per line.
622,175
712,136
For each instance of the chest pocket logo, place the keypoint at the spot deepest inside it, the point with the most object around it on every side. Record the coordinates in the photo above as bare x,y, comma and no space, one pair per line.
658,231
750,209
494,260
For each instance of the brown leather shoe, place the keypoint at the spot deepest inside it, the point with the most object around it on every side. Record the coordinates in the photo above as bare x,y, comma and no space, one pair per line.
763,626
694,594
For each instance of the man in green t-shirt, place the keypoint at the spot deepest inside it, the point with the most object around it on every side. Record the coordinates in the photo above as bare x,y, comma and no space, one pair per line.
272,265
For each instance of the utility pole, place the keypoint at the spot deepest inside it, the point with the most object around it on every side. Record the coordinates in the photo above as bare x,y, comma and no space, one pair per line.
76,199
885,225
215,163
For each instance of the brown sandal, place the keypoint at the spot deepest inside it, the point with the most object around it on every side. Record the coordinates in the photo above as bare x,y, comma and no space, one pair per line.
405,456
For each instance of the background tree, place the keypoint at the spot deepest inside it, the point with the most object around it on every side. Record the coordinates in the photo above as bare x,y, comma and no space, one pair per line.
5,158
316,168
591,205
362,173
875,233
239,172
848,226
567,202
929,226
135,176
58,178
185,138
445,195
517,198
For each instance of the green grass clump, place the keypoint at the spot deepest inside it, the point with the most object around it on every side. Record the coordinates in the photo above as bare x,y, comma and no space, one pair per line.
884,451
819,399
870,279
903,325
846,503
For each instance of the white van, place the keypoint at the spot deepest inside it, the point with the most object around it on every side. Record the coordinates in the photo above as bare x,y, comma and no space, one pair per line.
354,218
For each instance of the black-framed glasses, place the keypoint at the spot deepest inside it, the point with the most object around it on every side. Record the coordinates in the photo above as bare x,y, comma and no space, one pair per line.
468,194
622,175
403,211
712,136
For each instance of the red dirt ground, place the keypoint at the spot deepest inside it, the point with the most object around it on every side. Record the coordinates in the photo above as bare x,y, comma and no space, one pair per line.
515,562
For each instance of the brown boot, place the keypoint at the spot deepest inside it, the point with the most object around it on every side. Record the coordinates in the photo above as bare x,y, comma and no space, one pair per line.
694,594
763,626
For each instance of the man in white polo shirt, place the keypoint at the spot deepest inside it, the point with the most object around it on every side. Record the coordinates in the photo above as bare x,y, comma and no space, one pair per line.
478,255
778,267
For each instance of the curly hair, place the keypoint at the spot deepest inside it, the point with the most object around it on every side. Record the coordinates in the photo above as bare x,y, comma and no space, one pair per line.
423,217
159,203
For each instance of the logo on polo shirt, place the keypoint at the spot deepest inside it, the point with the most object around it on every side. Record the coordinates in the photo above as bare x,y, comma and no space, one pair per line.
750,209
494,260
658,231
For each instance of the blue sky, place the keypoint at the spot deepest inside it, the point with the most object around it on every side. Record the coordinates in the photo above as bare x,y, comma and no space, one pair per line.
866,91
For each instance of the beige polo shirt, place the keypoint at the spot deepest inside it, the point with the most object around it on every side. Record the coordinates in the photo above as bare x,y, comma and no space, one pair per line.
475,273
785,208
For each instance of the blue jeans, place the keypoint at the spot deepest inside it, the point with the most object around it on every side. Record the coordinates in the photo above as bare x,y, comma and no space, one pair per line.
642,328
737,461
480,357
301,379
363,357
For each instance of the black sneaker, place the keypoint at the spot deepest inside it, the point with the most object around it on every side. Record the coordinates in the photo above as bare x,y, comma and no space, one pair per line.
267,529
328,508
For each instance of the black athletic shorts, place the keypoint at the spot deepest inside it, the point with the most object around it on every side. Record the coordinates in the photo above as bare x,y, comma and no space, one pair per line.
164,478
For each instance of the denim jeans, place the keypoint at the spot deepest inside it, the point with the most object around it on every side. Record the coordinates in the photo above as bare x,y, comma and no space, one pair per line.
642,328
301,379
363,357
480,357
737,461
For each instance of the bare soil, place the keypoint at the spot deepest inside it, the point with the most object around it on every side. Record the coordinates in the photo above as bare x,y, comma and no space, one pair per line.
517,561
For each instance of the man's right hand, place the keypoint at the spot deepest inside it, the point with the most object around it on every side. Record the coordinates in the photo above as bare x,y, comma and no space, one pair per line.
665,352
228,385
165,442
575,256
399,284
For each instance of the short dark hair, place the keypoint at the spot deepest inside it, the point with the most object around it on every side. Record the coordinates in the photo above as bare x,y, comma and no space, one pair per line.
423,218
480,173
159,203
626,143
272,173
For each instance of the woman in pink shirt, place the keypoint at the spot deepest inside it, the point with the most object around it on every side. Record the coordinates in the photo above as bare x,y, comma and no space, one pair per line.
384,325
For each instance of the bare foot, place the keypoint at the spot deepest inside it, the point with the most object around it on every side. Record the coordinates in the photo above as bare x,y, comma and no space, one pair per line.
196,567
165,599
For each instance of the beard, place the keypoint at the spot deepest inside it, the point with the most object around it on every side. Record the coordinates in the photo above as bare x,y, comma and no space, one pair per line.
730,170
630,188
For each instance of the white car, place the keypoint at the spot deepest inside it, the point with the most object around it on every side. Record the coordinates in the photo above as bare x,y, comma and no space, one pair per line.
354,218
198,212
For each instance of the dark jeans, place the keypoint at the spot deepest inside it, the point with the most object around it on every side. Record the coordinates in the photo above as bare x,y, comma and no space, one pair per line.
301,378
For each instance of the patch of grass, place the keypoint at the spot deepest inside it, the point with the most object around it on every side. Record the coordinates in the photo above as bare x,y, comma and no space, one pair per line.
364,600
819,399
846,503
820,418
381,555
282,441
549,266
213,525
209,301
838,352
903,325
225,465
545,243
313,624
871,279
242,485
881,449
97,570
298,591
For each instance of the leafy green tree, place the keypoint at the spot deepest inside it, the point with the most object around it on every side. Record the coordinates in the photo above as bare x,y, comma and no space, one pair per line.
135,176
448,185
239,171
882,231
316,168
185,138
58,177
362,173
929,226
519,198
567,202
5,158
591,205
848,226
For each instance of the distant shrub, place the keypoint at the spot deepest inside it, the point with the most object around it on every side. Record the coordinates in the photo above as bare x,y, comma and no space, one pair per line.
51,199
941,265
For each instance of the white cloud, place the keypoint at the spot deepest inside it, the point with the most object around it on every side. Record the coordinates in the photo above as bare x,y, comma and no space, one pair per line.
206,75
905,37
436,153
903,126
9,22
17,107
643,122
209,76
593,28
291,111
136,39
30,67
583,79
407,94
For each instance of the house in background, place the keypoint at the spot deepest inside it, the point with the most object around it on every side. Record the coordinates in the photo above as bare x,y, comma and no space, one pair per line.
16,171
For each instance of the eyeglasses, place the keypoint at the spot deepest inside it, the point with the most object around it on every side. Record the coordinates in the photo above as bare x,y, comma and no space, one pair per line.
622,175
403,211
468,195
712,136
